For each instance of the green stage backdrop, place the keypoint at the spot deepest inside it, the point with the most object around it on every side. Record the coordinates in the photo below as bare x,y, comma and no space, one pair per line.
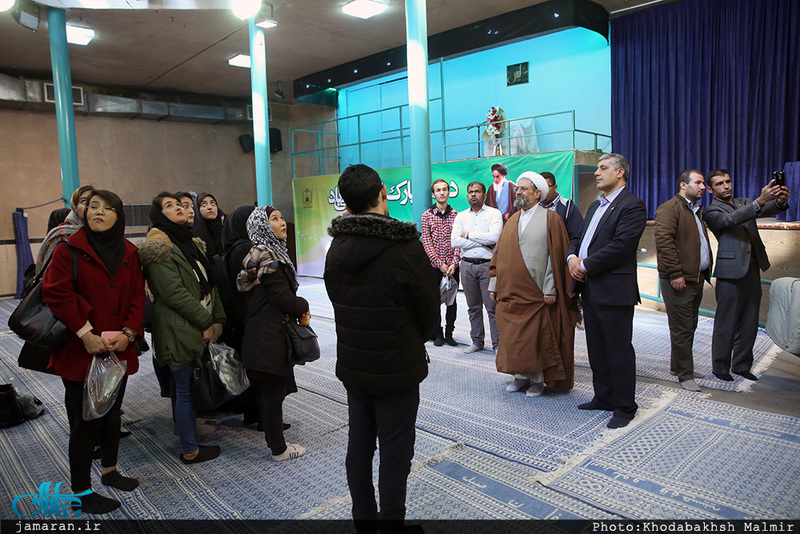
317,201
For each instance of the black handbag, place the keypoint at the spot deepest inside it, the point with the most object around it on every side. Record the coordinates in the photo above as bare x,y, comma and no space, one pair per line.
33,321
208,391
35,358
301,342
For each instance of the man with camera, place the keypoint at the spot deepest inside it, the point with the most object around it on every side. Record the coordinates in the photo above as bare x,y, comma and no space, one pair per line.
741,256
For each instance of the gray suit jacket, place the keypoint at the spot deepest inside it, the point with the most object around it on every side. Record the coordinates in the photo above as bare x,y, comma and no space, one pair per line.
735,229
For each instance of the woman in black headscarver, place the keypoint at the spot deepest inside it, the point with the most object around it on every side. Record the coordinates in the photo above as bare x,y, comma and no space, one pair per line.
208,222
104,312
187,311
236,244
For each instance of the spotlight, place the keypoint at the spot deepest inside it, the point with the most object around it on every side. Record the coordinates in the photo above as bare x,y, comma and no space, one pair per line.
26,14
5,5
279,91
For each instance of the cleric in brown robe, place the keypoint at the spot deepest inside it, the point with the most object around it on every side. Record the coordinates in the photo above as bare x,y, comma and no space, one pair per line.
536,313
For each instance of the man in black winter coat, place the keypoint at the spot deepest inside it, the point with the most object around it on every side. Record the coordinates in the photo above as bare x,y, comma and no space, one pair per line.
385,302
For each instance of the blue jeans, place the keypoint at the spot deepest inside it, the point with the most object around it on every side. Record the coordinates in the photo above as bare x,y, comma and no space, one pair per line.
183,409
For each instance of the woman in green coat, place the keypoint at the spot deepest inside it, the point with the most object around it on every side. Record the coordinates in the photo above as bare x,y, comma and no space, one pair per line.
187,311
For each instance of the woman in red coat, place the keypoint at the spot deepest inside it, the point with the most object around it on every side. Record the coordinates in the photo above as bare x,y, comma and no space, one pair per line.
107,298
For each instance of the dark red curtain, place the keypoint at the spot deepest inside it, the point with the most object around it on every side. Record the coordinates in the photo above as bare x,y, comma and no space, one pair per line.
707,84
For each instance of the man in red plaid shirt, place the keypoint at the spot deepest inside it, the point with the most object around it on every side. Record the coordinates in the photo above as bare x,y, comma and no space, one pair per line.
437,225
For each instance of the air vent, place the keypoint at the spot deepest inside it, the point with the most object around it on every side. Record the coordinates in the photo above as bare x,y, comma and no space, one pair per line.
50,94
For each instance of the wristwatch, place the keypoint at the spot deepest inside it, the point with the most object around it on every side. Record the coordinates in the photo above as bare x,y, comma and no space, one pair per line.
130,334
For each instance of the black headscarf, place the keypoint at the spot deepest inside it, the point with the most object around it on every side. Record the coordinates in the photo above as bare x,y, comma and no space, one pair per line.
109,245
235,228
181,236
210,231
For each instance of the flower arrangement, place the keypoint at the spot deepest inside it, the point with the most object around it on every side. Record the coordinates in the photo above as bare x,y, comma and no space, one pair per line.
496,123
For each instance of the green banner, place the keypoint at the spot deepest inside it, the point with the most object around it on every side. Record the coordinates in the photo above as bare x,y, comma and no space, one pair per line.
317,200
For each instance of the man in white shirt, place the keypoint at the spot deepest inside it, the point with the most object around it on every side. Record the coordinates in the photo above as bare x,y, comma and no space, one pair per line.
476,232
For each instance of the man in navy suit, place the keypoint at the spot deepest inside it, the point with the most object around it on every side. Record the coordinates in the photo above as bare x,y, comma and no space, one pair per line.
565,208
602,260
740,257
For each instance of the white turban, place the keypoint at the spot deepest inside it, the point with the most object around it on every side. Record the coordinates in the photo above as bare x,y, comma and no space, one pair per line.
538,181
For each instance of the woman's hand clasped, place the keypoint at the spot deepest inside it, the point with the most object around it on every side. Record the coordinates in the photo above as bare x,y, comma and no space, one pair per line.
95,344
119,343
305,319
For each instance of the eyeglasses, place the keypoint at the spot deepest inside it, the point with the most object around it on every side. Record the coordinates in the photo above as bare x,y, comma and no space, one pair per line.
98,207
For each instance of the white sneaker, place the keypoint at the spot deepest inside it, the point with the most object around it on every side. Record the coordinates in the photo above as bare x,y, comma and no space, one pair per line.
518,385
472,348
292,451
535,390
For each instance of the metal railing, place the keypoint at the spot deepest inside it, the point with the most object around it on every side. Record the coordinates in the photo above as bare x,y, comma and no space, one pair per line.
657,298
325,136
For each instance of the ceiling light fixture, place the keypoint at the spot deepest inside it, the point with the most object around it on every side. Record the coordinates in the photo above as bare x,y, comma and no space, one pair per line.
265,18
364,9
279,92
26,14
240,60
5,5
79,36
246,9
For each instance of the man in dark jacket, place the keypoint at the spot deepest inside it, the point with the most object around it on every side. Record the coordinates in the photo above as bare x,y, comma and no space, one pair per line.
385,303
741,256
684,265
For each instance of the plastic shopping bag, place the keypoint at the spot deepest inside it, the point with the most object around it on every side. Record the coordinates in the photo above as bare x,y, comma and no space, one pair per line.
101,387
228,367
448,290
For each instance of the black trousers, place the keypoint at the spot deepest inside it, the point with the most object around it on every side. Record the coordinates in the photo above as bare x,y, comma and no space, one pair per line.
609,330
84,435
736,322
270,391
389,416
450,311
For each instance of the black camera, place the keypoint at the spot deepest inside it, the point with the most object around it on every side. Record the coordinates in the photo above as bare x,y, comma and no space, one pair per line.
780,178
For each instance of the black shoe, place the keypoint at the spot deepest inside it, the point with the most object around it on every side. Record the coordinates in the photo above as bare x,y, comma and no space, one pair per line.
439,341
124,433
117,480
594,405
204,454
618,422
724,376
287,426
747,374
97,504
450,341
249,420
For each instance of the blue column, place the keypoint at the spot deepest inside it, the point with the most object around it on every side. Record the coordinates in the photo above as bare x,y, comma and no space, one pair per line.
258,84
417,39
65,114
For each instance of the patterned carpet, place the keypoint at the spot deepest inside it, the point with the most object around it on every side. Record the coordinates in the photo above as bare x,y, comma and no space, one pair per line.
650,339
481,453
694,458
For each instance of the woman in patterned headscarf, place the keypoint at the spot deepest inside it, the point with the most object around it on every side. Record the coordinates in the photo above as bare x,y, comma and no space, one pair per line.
62,232
270,278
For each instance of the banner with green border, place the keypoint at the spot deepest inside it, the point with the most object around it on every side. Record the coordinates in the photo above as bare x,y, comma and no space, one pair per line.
317,201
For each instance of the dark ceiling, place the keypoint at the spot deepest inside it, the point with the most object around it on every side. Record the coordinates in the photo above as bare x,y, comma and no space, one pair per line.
186,51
